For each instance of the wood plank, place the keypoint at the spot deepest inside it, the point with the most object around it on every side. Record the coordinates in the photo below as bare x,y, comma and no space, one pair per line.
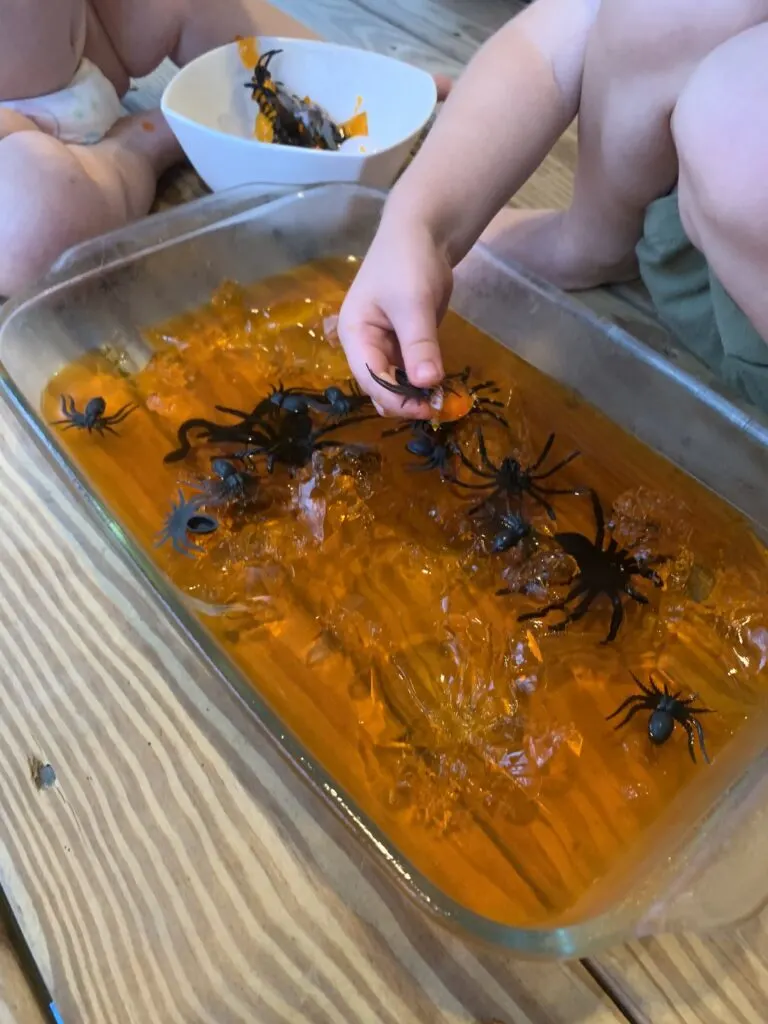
17,1004
721,979
179,871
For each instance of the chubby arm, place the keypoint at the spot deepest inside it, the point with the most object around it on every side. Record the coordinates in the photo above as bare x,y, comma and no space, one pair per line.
519,93
212,23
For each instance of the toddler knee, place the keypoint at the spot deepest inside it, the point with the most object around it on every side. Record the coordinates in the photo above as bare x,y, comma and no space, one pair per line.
47,204
719,126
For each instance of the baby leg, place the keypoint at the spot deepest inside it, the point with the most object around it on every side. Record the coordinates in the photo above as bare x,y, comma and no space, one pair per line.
53,196
640,55
719,126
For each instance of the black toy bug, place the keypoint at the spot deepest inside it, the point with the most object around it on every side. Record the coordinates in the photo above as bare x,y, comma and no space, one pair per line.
514,530
93,416
601,570
513,480
229,484
184,519
667,710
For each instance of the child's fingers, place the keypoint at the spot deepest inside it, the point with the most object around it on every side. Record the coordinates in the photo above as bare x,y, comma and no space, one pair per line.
444,84
416,329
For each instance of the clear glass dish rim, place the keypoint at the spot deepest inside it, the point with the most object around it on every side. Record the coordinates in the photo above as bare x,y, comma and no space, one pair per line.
571,941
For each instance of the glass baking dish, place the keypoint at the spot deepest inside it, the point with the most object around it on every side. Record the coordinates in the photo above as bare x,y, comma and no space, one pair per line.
705,872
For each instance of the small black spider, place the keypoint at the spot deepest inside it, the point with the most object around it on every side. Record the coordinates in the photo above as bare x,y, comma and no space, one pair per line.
512,480
342,404
606,571
93,417
666,709
514,529
229,484
407,391
184,519
434,445
293,441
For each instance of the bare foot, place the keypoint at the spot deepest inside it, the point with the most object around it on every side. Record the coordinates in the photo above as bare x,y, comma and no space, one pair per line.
540,241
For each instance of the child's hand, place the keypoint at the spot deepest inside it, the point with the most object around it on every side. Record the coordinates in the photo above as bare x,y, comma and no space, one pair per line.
391,313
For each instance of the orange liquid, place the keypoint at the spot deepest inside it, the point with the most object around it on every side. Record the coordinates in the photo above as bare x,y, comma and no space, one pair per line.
359,599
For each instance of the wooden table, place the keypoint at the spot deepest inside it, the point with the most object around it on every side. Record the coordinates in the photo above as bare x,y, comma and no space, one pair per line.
179,873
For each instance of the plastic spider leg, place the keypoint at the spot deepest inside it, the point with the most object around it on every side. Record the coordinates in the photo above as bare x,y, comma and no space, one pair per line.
556,469
640,706
556,606
482,410
544,453
541,500
616,619
578,612
345,423
486,501
599,520
238,413
635,594
487,463
474,469
652,691
688,726
121,413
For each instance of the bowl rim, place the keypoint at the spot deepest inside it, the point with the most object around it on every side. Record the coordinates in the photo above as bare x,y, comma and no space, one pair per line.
167,108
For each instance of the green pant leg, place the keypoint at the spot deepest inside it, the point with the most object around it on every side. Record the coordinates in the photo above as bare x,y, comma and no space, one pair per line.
696,307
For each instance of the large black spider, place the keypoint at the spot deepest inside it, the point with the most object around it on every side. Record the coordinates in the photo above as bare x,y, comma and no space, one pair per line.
293,440
601,570
512,480
666,709
93,416
183,519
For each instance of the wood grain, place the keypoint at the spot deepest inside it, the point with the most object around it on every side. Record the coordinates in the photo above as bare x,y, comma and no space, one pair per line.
17,1004
179,871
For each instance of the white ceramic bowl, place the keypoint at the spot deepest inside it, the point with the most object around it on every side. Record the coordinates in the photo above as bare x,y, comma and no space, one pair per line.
213,116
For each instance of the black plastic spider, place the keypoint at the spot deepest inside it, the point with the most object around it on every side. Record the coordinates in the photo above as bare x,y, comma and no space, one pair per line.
229,484
606,571
293,441
512,480
666,709
93,417
482,405
342,404
514,530
184,519
434,445
407,391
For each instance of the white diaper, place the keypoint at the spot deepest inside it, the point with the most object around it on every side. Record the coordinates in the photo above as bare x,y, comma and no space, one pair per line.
82,113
